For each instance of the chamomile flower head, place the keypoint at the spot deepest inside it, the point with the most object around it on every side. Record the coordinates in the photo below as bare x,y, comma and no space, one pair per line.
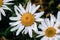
49,29
3,6
26,19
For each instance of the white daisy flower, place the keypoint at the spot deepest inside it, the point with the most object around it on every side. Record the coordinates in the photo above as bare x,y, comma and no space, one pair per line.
3,6
26,19
49,30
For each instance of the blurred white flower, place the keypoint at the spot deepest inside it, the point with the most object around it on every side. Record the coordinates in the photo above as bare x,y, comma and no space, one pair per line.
3,6
49,29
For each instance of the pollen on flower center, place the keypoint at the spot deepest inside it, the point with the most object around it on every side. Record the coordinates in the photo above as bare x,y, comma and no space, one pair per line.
1,2
27,19
50,32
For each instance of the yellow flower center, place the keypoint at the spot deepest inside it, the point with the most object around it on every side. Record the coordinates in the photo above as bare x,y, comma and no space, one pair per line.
50,32
1,2
27,19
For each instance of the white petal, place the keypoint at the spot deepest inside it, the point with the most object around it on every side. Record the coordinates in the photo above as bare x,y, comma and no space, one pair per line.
33,7
14,18
43,28
7,0
56,39
36,9
28,8
20,29
37,15
44,24
5,7
35,27
30,33
47,21
39,19
58,16
40,34
14,23
14,28
16,11
25,31
51,38
8,3
2,11
44,38
57,36
21,8
0,16
16,8
57,24
52,19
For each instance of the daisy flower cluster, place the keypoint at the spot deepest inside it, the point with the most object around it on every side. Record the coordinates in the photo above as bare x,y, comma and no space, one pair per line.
27,19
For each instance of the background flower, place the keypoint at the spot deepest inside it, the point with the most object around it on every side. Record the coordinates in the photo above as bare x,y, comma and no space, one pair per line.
49,29
3,5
